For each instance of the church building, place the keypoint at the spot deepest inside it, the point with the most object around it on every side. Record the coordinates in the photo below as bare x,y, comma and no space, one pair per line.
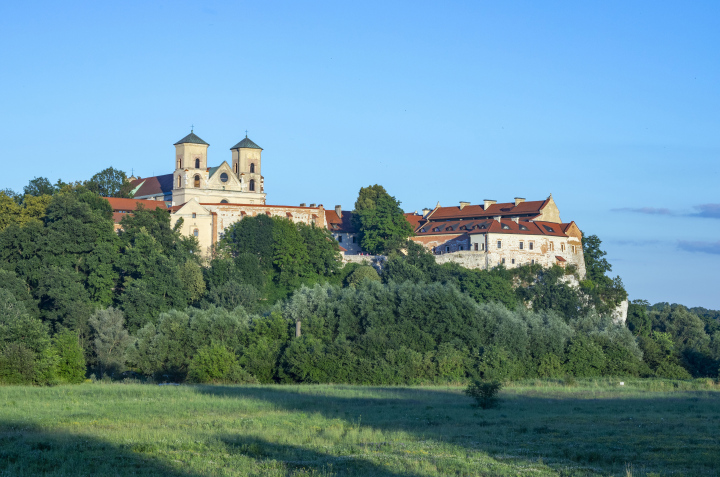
210,199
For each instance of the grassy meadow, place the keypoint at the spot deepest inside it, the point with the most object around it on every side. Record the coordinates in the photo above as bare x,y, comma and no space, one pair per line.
539,428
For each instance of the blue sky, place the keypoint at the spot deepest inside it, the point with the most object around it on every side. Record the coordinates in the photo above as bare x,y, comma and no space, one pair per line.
613,107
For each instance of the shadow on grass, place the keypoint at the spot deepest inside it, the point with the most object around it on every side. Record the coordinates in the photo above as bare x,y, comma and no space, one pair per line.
298,459
575,435
28,450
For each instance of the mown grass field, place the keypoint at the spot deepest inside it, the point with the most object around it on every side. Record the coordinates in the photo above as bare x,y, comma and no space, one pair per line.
592,428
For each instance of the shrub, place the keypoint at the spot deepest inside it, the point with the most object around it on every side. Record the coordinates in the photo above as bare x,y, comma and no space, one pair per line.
17,364
70,364
484,392
216,364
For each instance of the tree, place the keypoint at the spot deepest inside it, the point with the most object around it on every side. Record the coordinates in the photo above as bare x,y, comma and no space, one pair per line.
70,359
363,272
111,340
39,186
109,182
379,220
596,266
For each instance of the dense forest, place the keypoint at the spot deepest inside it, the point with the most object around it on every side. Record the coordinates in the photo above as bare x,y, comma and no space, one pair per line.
79,301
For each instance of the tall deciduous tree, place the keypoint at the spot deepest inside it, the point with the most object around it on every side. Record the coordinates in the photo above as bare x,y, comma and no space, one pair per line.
380,221
39,186
111,340
109,182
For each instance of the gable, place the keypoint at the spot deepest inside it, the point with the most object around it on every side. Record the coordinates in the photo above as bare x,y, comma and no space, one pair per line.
215,179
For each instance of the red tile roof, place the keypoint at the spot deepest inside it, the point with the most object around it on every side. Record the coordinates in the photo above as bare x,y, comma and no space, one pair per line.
339,224
132,204
505,226
414,219
560,259
509,209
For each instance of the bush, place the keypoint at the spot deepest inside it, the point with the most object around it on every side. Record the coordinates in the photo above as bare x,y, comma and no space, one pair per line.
70,364
218,365
484,392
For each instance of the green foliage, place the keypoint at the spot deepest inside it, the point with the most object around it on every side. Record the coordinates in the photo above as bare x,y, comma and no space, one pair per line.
109,182
111,341
596,265
217,365
363,272
39,186
379,220
484,392
70,359
585,358
191,278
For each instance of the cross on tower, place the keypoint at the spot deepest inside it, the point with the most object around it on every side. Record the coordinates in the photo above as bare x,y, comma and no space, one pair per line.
246,133
192,127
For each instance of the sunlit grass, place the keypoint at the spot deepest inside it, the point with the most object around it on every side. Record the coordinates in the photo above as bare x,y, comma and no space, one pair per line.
540,428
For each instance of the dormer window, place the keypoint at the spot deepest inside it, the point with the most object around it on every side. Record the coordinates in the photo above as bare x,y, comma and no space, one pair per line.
522,227
448,229
436,229
505,227
462,227
549,229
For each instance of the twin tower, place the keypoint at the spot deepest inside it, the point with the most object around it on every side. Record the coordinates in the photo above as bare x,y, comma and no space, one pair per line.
241,183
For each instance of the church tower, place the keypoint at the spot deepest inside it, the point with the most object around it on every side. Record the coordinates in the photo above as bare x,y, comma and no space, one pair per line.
190,162
246,160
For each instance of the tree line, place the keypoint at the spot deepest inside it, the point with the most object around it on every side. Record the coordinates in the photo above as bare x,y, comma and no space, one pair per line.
78,299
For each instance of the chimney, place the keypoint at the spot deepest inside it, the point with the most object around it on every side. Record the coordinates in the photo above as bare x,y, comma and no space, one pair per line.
302,204
312,205
516,220
425,212
338,210
487,203
463,204
498,217
518,201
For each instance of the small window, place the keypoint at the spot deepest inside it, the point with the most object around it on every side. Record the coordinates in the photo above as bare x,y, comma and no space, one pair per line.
461,247
522,227
353,239
483,226
179,182
531,245
235,167
462,227
178,164
436,229
252,184
562,247
505,227
512,261
522,245
552,246
476,247
194,215
532,262
223,177
252,168
197,181
224,201
339,238
499,243
447,249
197,163
549,229
448,229
196,233
503,261
574,249
482,246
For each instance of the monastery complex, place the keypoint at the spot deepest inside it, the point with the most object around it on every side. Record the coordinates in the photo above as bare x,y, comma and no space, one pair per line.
210,199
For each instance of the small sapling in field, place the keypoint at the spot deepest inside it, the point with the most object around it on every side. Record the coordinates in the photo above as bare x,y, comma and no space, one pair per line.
484,392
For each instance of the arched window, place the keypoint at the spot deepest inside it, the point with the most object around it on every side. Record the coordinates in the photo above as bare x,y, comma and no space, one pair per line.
196,232
178,164
179,182
197,180
252,184
224,201
252,168
197,163
235,166
223,177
